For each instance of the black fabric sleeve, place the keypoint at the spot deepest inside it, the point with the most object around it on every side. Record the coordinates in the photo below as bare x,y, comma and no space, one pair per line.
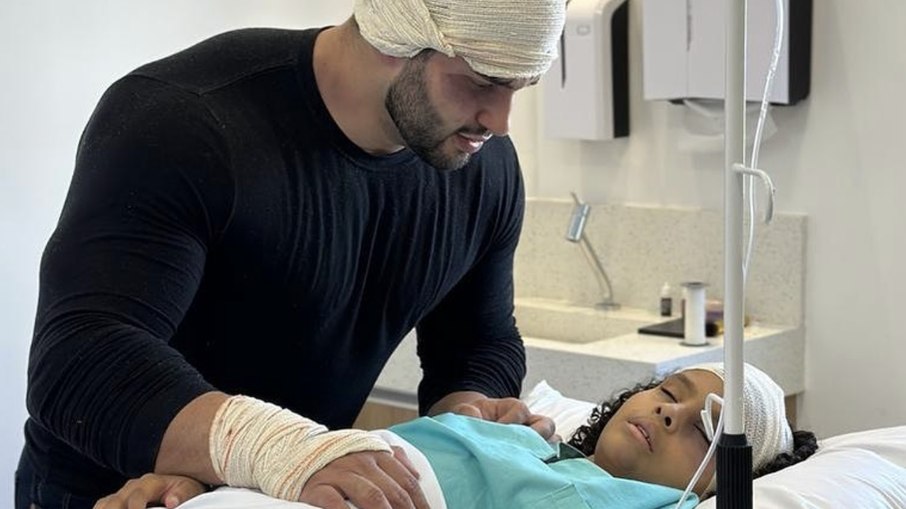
150,193
470,342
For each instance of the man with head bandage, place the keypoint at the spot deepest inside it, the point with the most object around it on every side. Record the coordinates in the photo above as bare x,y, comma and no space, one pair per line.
253,226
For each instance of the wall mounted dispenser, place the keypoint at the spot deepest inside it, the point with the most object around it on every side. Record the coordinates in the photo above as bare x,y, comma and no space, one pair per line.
586,91
684,48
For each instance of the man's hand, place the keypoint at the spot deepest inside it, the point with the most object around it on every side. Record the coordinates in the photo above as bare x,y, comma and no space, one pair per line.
508,411
370,480
170,490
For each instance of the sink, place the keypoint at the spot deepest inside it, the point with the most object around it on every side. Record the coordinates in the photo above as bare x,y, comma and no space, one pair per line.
574,323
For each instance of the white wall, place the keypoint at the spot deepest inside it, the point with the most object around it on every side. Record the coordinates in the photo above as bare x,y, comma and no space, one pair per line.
57,58
837,157
834,159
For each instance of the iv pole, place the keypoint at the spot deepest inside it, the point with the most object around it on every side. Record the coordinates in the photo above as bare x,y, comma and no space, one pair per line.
734,454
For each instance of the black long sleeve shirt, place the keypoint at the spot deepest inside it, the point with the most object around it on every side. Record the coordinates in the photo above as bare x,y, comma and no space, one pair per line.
221,232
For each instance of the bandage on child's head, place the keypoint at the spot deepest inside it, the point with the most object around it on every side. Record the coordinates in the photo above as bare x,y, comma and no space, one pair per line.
508,39
766,426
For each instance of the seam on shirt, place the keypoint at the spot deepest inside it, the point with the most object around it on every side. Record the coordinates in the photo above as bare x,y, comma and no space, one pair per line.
231,167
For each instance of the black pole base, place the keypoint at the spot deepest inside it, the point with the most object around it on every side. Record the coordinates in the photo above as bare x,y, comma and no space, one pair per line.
734,472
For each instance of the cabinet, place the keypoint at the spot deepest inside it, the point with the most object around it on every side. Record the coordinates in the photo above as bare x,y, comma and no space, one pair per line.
377,414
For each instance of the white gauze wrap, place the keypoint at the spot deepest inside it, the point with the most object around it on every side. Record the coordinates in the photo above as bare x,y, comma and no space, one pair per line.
258,445
499,38
767,428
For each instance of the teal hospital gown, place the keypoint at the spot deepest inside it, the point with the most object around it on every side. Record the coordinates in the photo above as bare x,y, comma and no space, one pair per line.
486,465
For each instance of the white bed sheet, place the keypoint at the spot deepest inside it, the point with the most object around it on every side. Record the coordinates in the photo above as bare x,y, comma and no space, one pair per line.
866,469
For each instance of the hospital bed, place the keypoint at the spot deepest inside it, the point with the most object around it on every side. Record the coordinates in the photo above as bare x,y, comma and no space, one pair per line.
865,469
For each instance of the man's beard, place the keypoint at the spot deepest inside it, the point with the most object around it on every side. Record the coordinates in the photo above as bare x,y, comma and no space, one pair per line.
416,119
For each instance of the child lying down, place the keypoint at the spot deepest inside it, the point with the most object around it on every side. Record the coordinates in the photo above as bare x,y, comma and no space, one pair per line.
639,450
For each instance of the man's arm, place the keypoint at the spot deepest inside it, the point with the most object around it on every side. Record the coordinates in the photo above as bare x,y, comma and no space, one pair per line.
472,354
184,449
258,445
454,400
469,345
151,190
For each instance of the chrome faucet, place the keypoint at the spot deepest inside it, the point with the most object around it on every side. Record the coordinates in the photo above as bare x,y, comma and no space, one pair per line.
576,233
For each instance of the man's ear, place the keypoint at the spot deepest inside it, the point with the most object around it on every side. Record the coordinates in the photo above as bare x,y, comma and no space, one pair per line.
395,64
391,66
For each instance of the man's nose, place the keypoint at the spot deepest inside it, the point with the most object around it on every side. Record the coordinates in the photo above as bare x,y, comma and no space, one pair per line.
495,113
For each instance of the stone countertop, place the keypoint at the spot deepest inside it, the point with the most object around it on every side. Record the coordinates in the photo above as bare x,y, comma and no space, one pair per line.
594,371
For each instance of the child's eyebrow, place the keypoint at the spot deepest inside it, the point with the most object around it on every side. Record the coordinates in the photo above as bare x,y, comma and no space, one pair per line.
684,380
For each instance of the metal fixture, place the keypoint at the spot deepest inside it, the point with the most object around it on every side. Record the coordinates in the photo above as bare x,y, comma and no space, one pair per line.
576,233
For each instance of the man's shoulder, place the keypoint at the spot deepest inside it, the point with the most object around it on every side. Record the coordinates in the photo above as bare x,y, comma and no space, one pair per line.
230,57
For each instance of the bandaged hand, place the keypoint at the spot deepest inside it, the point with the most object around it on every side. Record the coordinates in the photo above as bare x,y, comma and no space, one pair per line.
254,444
507,411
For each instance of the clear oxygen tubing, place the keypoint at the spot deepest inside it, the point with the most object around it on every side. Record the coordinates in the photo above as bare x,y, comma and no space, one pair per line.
713,435
749,179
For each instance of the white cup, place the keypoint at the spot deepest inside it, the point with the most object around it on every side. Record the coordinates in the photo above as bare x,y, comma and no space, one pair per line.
694,313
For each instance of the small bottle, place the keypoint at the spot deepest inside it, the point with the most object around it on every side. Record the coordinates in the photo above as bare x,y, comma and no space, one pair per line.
666,301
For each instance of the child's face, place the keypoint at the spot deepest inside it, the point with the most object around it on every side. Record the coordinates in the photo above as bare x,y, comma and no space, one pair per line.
657,436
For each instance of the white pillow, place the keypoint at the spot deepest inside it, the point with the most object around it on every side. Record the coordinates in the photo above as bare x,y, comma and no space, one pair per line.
567,413
865,469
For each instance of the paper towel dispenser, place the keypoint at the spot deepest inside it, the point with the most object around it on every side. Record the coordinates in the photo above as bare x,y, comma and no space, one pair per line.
684,41
585,93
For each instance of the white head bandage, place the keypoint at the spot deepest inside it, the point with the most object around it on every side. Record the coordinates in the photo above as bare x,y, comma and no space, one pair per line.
499,38
767,429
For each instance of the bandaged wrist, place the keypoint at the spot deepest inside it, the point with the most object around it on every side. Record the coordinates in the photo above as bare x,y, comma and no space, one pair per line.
254,444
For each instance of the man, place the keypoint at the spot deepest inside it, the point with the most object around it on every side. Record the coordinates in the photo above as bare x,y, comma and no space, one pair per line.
263,217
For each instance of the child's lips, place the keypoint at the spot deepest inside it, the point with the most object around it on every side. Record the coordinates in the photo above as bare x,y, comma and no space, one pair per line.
642,434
